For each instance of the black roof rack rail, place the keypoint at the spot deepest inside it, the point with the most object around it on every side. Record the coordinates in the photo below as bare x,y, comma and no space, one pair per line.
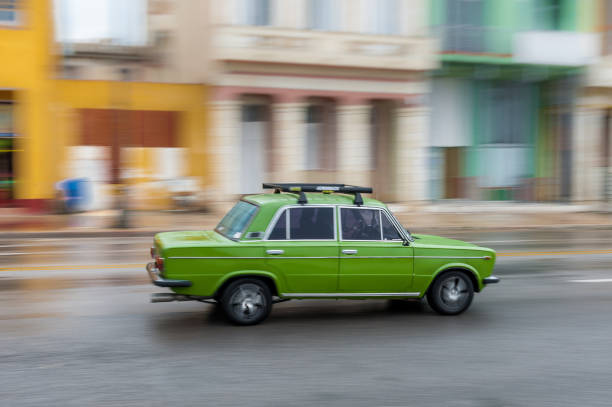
301,188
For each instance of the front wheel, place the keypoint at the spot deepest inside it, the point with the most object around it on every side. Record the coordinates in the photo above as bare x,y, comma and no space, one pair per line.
451,293
247,301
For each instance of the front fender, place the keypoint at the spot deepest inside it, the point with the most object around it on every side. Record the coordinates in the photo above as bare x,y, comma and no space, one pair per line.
459,266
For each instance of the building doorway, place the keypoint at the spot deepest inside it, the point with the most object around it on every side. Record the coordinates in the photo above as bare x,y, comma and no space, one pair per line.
253,146
7,150
381,149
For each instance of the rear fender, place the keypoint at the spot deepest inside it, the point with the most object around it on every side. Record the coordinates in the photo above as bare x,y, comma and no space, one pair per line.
246,273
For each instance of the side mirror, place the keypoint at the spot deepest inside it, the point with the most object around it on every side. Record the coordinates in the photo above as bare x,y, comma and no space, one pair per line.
406,243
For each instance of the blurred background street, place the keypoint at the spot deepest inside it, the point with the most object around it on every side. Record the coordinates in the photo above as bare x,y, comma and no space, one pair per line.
483,120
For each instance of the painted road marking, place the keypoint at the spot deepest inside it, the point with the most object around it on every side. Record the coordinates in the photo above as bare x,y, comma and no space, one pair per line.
58,252
73,267
557,253
593,280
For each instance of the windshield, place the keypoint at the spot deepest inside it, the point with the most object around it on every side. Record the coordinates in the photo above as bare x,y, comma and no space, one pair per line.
236,220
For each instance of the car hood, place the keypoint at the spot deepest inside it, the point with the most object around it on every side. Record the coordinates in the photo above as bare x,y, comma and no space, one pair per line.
201,238
438,241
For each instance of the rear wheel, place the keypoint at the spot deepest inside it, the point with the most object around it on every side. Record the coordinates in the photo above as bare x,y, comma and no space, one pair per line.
451,293
247,301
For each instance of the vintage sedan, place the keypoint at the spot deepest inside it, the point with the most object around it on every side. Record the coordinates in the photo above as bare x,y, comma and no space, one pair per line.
311,241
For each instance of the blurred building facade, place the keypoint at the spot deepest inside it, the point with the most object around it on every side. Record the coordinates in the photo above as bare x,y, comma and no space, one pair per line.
422,99
594,119
132,100
126,105
25,94
503,124
321,91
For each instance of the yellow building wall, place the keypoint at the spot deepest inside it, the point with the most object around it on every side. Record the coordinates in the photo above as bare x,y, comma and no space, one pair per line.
45,114
187,99
27,62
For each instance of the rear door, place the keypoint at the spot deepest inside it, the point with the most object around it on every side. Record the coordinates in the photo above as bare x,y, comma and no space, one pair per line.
302,249
373,258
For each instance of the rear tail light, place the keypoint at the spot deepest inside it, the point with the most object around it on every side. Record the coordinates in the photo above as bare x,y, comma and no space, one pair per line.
159,262
152,252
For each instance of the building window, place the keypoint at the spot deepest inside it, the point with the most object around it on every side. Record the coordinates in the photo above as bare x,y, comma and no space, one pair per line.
506,109
464,31
324,15
547,14
254,12
314,136
116,22
8,12
381,16
607,29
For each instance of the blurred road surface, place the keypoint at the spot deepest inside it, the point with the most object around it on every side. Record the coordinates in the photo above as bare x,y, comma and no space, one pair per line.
77,329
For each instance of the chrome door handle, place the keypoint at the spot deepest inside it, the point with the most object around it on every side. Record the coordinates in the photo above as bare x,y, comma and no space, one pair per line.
349,251
275,252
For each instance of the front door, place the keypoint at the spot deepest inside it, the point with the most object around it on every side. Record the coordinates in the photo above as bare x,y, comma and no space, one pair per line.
302,250
373,258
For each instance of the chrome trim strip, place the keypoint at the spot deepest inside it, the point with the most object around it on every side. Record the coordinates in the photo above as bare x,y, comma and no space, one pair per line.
452,257
339,295
325,257
376,257
250,258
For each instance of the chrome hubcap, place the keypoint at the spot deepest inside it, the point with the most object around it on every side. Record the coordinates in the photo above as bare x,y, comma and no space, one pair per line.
248,301
454,291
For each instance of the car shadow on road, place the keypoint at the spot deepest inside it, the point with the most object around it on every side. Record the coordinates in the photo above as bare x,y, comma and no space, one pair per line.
299,311
331,319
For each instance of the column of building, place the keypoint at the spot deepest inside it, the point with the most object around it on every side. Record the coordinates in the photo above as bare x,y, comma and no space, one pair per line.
224,146
587,174
411,150
353,141
288,113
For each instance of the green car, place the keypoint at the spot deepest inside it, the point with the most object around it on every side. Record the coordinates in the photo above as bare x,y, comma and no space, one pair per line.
308,241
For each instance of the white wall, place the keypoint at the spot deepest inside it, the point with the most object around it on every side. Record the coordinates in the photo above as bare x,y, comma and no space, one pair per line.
450,113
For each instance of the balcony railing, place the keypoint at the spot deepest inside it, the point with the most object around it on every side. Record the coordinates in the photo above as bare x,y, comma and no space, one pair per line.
277,45
108,51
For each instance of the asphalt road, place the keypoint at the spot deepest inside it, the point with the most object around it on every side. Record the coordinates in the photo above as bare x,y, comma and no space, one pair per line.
77,329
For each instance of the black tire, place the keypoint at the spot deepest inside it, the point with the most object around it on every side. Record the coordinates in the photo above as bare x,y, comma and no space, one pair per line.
451,293
247,301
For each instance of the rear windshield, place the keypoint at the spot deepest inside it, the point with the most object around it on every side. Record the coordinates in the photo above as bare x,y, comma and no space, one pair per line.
236,220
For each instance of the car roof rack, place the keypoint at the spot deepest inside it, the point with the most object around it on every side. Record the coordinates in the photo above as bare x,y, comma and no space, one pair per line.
301,188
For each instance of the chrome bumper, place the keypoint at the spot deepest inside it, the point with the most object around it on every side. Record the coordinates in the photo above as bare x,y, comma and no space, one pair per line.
162,282
490,280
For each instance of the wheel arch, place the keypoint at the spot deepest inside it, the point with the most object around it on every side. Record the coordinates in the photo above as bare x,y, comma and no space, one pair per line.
268,278
470,271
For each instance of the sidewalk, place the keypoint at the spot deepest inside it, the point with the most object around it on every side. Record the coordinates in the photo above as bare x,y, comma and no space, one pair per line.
15,223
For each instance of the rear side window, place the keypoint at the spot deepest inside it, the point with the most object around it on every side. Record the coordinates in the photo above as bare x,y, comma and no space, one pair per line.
307,223
280,229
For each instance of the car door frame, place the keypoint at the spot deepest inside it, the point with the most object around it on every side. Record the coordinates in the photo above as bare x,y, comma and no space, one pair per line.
361,282
293,278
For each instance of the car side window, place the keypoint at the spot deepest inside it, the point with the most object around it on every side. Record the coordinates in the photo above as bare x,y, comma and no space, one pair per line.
314,223
388,229
360,224
279,232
